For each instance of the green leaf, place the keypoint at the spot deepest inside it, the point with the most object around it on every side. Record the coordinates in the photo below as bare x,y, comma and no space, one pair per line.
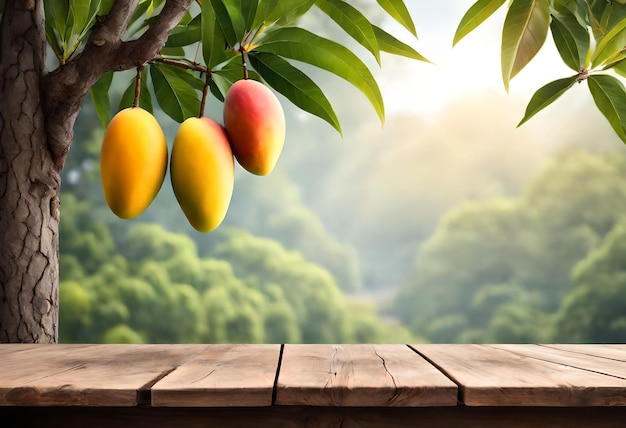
140,12
546,95
214,48
302,45
178,52
284,11
54,42
398,11
476,15
619,67
224,21
56,14
353,22
223,78
188,77
571,39
185,35
388,43
105,7
235,12
248,12
175,96
68,23
613,15
295,85
287,12
128,97
56,17
219,86
145,98
78,17
100,96
610,97
525,30
611,45
233,71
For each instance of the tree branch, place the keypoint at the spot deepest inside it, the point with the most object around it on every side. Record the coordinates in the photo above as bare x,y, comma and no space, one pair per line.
66,87
148,46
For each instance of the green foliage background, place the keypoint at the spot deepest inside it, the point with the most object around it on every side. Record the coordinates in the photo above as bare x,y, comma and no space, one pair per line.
545,266
533,261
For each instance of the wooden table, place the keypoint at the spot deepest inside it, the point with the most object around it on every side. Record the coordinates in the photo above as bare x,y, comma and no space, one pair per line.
312,385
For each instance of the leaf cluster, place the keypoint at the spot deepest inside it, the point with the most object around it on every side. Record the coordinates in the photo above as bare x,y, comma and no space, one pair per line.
260,40
590,36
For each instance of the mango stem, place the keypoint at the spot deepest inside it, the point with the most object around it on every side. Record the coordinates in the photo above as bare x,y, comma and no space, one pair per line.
137,86
243,63
205,92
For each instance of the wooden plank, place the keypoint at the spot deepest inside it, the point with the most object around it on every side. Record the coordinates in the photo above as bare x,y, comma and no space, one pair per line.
86,375
494,377
322,417
222,375
592,363
613,352
360,375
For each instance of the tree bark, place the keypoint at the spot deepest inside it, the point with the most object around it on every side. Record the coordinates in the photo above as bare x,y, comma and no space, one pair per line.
29,184
37,115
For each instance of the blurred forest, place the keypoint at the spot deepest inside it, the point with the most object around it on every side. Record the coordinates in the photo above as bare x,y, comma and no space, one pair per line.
452,227
443,237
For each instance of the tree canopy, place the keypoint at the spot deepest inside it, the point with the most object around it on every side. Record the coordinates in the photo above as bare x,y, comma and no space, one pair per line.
265,38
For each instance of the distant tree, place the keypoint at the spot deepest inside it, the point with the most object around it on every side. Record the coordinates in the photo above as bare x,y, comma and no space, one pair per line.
572,204
595,309
475,246
498,270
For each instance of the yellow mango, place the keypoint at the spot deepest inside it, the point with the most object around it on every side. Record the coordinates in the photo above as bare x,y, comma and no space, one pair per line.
255,123
202,171
133,162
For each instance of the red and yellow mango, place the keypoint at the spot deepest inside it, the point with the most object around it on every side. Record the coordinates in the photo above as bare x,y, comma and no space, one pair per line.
255,123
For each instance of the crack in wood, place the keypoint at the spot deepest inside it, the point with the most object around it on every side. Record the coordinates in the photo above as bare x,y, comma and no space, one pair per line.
396,390
203,377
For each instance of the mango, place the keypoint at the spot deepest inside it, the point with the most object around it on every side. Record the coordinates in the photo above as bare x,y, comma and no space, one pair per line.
133,162
255,123
202,170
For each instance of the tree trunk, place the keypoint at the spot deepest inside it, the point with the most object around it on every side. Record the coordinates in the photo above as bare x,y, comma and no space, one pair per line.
29,184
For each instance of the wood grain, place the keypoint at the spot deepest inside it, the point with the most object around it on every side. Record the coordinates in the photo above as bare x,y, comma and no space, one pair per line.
591,363
493,377
222,375
613,352
360,375
86,375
